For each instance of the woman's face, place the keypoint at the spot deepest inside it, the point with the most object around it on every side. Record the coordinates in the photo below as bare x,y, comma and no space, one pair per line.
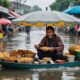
49,33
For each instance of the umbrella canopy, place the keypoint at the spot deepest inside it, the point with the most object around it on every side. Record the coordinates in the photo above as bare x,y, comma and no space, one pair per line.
73,10
4,21
46,17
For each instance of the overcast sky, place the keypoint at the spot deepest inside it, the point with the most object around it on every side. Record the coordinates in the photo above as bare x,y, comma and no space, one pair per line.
41,3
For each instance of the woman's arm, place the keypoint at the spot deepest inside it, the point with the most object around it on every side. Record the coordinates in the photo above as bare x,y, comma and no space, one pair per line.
60,44
42,43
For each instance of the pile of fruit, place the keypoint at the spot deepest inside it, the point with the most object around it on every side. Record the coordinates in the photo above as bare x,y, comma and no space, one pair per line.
25,56
75,48
23,53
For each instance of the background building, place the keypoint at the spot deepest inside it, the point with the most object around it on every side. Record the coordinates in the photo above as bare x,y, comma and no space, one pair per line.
20,8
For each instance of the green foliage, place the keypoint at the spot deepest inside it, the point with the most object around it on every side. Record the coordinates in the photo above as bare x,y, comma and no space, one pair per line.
36,8
5,3
61,5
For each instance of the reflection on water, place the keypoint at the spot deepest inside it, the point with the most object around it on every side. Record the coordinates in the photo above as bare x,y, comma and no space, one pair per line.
22,41
44,75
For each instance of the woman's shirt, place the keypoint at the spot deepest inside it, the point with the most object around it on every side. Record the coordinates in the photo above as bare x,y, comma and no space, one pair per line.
55,42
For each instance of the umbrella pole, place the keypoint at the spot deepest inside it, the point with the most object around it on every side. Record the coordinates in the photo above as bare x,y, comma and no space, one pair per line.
46,25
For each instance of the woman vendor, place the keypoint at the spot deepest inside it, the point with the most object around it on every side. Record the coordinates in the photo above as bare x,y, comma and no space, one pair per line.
53,42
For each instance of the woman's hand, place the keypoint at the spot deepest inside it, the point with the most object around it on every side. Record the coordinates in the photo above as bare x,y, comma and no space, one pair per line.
45,50
52,49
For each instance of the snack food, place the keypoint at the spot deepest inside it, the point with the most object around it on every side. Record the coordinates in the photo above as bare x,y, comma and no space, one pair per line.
23,53
45,48
25,56
25,60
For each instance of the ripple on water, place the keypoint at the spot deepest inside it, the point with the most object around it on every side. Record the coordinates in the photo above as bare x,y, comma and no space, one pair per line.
58,69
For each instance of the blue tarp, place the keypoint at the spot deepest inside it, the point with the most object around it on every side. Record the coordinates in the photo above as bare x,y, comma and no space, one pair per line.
73,10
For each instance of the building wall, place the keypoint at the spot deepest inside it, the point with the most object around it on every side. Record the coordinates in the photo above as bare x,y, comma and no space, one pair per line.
20,8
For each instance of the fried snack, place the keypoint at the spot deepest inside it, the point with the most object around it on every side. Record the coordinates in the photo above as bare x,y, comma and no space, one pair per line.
23,53
25,60
12,59
18,56
45,48
47,59
4,56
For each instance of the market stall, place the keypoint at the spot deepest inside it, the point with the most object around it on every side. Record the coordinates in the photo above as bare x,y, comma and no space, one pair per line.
25,59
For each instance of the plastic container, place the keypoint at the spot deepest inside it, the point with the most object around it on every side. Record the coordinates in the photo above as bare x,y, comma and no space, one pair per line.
71,58
1,35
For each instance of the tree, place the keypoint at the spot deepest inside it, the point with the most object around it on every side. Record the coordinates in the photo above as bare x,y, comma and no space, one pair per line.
61,5
5,3
36,8
77,2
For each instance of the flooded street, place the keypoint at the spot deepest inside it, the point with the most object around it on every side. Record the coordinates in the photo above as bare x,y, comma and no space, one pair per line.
22,41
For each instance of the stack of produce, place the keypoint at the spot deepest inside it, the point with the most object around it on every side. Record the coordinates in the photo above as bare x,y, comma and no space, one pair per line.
4,55
23,53
24,56
74,48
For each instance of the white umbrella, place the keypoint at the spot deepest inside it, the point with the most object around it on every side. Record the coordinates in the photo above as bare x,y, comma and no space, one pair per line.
46,17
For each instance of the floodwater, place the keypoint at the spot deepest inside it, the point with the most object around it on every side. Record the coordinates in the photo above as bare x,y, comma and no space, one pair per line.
39,75
22,41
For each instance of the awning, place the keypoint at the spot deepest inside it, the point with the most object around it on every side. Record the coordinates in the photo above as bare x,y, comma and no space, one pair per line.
3,9
8,13
4,12
14,14
73,10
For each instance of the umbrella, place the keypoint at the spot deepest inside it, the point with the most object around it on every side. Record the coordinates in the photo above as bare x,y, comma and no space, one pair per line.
4,21
46,17
73,10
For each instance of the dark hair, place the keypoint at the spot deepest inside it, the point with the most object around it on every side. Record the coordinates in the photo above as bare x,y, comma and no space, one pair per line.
50,28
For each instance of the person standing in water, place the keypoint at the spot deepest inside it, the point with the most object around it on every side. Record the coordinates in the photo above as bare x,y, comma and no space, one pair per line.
27,30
